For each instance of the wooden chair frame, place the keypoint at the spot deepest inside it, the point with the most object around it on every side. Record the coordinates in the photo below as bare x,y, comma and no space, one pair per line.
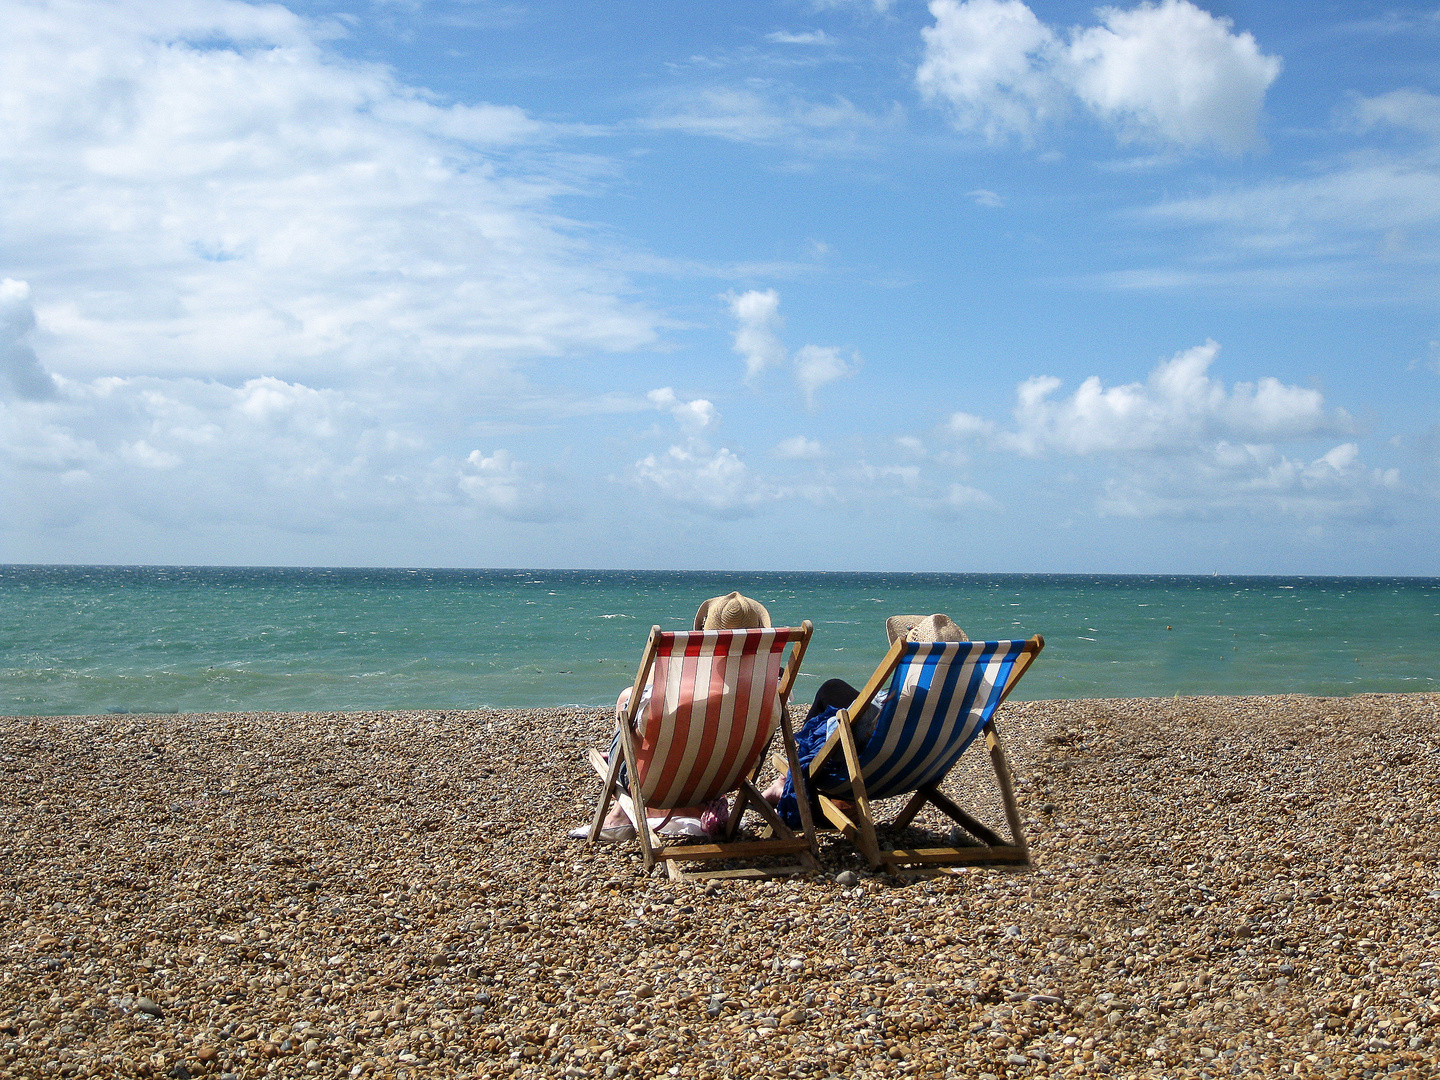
860,829
784,841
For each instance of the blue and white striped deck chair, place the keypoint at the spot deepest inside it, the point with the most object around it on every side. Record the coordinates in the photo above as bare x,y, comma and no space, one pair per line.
941,696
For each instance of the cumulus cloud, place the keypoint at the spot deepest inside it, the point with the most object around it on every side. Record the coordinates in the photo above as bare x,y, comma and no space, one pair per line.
1167,74
1184,444
817,365
273,284
1230,478
503,486
1177,408
1173,74
716,483
695,414
192,451
207,189
19,366
799,448
195,453
966,426
962,500
990,63
757,338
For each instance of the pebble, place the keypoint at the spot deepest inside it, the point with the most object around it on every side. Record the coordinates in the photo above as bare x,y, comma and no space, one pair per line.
389,892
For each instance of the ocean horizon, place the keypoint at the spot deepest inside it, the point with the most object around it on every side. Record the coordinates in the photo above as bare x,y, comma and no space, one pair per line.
80,640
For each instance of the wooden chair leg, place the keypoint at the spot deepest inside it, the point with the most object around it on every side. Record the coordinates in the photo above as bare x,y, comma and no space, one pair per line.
802,790
766,811
606,796
737,811
1007,790
637,812
913,807
865,839
975,828
838,818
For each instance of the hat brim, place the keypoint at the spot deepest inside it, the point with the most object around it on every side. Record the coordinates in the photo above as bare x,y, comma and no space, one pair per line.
716,603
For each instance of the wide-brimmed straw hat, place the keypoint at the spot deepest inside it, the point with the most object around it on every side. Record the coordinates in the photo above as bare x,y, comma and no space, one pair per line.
935,627
732,612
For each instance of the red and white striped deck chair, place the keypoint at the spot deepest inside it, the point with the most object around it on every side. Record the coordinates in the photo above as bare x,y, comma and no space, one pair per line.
717,697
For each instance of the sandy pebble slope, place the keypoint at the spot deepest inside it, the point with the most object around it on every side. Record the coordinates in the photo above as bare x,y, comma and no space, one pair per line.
1222,886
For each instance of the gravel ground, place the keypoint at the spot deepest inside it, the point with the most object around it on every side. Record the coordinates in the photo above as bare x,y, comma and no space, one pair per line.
1221,886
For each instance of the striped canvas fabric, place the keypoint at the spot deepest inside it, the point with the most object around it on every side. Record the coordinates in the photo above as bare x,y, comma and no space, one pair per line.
713,707
940,696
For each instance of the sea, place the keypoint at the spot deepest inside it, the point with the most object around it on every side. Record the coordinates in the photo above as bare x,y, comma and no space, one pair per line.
85,640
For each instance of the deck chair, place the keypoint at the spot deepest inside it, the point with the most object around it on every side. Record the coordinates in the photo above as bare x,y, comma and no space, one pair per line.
717,698
941,696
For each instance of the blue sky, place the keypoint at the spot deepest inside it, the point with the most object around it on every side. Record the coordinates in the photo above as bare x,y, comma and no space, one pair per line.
970,286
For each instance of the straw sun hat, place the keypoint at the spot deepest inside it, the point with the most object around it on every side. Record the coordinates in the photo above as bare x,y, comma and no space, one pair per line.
732,612
935,627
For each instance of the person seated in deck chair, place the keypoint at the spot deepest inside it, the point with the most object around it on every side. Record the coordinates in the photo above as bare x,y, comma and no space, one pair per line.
837,694
731,612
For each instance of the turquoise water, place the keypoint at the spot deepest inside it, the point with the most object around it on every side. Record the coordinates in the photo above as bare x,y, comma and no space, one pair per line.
81,640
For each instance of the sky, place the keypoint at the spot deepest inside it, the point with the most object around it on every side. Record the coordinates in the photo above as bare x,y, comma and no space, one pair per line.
966,285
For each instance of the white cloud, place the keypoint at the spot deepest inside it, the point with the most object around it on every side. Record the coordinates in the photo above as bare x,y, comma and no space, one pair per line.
189,452
275,286
1173,74
20,368
715,483
807,37
1179,407
912,445
989,62
1341,207
1415,110
1169,74
696,414
1184,444
986,198
1229,479
799,448
888,477
816,365
773,116
966,426
503,486
206,189
194,453
1366,221
961,500
757,339
1316,214
880,6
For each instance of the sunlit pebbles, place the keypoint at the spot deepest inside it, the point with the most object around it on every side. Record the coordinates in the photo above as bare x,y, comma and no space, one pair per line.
1221,886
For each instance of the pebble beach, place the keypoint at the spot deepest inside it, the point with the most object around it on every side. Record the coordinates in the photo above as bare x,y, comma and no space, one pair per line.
1243,886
